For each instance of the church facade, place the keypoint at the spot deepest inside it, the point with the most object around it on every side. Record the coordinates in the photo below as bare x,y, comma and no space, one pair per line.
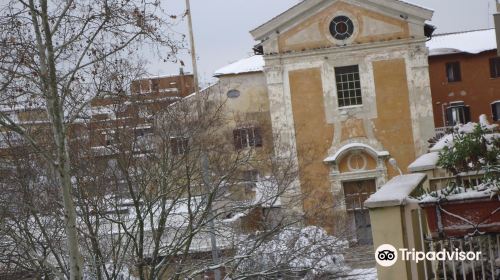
348,89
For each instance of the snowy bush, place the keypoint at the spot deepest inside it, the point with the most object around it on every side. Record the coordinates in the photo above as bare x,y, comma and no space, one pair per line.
473,147
309,251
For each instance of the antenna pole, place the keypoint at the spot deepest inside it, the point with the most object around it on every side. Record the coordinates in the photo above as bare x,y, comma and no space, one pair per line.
204,158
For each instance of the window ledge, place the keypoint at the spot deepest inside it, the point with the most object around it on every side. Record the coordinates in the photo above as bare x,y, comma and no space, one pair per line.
350,107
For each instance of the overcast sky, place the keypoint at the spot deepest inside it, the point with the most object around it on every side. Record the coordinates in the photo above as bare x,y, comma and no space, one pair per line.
222,26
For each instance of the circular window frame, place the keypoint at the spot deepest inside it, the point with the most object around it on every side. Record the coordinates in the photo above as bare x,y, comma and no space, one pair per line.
236,94
348,40
350,163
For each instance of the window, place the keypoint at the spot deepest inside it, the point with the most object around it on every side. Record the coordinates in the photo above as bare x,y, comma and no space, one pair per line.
155,85
341,27
109,138
453,72
250,175
234,93
457,113
495,110
247,137
179,145
348,85
495,67
142,132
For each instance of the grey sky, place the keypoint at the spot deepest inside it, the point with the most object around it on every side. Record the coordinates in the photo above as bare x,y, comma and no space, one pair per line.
222,26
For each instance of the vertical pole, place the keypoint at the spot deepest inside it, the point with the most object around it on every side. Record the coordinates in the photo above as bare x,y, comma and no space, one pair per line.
424,245
204,159
453,260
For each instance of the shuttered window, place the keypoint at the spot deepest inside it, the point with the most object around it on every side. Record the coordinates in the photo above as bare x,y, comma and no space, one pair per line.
457,114
495,110
247,137
453,72
179,145
495,67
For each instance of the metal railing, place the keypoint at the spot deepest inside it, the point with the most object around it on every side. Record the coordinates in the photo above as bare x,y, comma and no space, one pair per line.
442,131
486,267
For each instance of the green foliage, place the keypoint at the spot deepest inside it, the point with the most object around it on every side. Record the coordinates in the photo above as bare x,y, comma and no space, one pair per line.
477,150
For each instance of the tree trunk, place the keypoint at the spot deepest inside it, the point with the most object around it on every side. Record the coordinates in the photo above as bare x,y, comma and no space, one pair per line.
56,116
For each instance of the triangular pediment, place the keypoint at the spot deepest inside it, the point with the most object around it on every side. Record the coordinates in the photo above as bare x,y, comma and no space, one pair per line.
308,24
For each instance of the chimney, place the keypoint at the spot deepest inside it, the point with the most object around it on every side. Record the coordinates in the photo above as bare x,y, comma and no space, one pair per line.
496,17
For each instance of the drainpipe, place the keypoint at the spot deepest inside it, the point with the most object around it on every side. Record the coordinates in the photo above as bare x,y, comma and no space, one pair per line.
496,18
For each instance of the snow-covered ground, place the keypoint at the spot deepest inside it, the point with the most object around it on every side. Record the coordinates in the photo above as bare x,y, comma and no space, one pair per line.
360,274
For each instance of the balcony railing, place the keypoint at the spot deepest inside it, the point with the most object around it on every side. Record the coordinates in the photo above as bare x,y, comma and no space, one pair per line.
442,131
487,267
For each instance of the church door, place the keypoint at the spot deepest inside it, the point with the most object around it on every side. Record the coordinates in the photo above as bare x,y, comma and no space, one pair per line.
356,192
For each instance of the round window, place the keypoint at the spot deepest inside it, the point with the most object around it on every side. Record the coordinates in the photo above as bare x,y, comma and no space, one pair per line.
234,93
341,27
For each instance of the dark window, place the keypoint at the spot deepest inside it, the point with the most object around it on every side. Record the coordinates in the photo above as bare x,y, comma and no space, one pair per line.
141,132
341,27
348,85
179,145
457,113
109,138
155,85
136,87
495,67
247,137
453,72
495,110
250,176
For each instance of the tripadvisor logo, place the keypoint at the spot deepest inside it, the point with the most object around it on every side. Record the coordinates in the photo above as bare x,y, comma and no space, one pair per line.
387,255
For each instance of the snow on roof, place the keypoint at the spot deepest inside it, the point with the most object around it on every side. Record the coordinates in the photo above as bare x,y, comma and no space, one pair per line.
424,162
247,65
473,42
396,191
352,146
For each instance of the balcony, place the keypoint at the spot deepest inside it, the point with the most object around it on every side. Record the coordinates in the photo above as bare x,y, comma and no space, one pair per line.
442,131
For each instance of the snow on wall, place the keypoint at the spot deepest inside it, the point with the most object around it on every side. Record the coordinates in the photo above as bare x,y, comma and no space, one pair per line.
355,145
425,162
396,191
247,65
453,193
472,42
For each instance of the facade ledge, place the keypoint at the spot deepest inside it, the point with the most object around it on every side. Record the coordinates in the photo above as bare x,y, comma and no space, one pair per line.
355,146
396,192
347,48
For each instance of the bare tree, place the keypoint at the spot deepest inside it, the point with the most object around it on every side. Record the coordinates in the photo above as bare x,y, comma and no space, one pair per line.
137,202
53,54
144,209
